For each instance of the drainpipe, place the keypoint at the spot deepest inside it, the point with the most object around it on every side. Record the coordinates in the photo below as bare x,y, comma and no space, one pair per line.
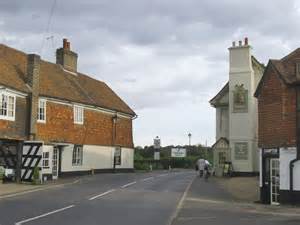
114,131
292,163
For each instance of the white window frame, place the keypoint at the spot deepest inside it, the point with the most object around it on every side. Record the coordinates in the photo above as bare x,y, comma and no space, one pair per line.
77,155
78,114
39,115
46,160
7,116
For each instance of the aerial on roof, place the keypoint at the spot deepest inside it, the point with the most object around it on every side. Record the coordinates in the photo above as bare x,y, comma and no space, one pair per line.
55,82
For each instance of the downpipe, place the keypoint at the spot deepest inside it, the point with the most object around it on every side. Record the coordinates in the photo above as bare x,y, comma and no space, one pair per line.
292,163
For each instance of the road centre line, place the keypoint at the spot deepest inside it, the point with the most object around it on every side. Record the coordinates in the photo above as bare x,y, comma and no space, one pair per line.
162,175
102,194
44,215
149,178
129,184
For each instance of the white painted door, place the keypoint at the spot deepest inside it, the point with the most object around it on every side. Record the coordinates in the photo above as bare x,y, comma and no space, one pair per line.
275,181
55,163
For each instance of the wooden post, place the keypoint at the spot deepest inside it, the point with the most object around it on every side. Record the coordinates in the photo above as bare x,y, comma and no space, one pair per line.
19,152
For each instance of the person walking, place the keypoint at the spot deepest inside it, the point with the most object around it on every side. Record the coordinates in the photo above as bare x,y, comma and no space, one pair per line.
201,165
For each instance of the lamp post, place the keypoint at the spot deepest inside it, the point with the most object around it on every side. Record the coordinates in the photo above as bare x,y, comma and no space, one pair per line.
190,136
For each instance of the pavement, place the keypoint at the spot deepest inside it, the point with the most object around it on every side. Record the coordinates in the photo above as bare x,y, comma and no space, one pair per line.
13,189
244,189
211,203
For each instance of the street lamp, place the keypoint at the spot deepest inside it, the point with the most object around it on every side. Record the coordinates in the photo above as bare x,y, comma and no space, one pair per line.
190,136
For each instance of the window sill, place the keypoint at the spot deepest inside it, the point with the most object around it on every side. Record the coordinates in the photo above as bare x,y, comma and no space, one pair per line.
78,123
7,118
41,121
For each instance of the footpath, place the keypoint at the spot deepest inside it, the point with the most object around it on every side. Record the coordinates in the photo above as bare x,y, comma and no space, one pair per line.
221,201
13,189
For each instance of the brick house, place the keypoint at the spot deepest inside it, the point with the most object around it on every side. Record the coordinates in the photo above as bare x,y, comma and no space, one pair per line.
278,131
82,124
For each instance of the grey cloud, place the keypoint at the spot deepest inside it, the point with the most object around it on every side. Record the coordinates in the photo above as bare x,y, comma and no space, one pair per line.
158,55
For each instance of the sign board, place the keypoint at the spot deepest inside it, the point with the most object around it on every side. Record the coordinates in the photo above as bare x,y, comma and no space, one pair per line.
156,155
156,142
178,152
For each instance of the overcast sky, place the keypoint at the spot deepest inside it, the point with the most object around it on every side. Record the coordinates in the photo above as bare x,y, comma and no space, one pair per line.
165,58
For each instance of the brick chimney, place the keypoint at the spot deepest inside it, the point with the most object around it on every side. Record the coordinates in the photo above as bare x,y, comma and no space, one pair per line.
66,58
33,80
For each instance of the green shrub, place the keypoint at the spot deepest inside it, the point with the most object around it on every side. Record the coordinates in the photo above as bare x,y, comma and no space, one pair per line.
140,165
36,176
2,173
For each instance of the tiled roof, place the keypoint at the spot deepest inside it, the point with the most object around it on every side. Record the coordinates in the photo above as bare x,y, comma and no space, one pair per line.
57,83
285,68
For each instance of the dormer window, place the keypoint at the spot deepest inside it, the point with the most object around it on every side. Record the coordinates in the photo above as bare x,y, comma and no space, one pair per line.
7,106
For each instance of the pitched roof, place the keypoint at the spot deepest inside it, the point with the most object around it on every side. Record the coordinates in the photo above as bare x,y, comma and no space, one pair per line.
57,83
221,93
285,69
219,140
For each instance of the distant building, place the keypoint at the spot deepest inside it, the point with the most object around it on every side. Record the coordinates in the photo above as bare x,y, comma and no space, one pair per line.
278,96
236,113
81,124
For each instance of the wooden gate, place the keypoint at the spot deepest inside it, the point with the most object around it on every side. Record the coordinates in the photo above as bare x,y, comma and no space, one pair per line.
31,158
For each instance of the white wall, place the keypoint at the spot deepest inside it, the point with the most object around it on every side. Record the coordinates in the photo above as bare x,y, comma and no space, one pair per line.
96,157
285,156
243,125
127,158
222,123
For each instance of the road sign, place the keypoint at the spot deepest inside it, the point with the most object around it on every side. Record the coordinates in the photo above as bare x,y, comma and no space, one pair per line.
156,142
178,152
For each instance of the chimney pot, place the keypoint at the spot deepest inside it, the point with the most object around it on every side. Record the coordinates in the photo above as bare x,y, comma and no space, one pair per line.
246,41
65,43
240,43
68,45
233,44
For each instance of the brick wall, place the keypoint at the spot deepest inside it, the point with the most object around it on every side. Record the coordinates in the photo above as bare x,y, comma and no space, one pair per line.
276,112
17,129
96,130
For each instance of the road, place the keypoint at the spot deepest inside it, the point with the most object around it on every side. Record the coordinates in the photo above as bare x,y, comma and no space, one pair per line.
158,198
108,199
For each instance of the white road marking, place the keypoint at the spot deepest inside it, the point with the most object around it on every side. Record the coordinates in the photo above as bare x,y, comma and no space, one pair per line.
100,195
44,215
129,184
149,178
180,204
162,175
